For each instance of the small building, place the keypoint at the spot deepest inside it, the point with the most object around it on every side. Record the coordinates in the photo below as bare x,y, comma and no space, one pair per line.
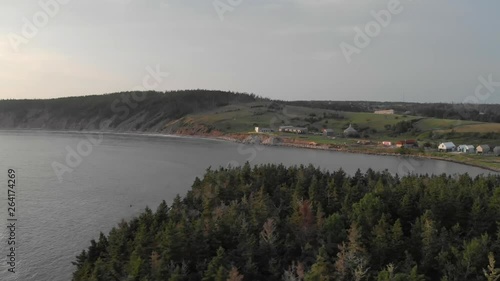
328,132
385,111
263,130
496,150
466,148
292,129
483,148
351,132
447,147
407,143
386,143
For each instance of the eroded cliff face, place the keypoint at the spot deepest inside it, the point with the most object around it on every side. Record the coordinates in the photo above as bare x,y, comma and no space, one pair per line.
42,119
140,122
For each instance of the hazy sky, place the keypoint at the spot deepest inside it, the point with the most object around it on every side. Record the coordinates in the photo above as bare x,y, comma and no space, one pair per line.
287,49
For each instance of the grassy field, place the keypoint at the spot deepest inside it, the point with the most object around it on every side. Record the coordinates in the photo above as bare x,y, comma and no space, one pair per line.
376,121
427,124
487,161
477,128
243,118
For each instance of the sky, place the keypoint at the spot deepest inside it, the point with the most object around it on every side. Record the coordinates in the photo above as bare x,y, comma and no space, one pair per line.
380,50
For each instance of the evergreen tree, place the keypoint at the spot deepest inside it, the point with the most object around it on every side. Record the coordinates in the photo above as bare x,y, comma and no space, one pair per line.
271,222
215,269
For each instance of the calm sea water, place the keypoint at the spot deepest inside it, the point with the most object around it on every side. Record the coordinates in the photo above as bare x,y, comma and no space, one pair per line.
120,177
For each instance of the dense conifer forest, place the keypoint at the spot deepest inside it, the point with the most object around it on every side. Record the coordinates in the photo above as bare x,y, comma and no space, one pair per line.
271,222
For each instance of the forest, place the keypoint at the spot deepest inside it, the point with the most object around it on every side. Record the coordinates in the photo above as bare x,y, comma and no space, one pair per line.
272,222
144,110
458,111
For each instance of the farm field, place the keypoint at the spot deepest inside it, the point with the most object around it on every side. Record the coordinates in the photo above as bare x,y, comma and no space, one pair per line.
374,128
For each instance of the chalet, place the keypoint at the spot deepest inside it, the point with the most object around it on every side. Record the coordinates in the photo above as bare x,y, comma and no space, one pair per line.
447,147
483,148
407,143
263,130
351,132
466,148
327,132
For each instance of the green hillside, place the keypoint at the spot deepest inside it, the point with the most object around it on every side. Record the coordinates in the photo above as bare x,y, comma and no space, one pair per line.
235,115
244,117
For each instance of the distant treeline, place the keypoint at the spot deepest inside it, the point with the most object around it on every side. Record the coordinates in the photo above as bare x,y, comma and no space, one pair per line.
271,222
475,112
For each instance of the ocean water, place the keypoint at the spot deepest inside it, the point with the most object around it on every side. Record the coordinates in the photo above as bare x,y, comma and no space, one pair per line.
115,176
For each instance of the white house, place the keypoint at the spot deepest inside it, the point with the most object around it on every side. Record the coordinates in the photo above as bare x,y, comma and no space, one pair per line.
483,148
447,146
466,148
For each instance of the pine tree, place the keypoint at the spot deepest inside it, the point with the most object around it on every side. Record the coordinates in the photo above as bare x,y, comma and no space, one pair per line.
320,270
234,275
492,274
352,260
215,269
381,242
134,266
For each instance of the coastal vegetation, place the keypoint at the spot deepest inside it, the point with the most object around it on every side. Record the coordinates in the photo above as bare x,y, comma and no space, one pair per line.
233,116
270,222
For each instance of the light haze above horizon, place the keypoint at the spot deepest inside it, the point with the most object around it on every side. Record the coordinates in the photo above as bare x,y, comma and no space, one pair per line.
425,51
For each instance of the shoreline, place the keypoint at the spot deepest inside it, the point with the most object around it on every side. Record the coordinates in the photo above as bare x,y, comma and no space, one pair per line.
233,139
355,151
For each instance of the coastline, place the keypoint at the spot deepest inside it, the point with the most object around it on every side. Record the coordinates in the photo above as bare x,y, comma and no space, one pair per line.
237,138
355,151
